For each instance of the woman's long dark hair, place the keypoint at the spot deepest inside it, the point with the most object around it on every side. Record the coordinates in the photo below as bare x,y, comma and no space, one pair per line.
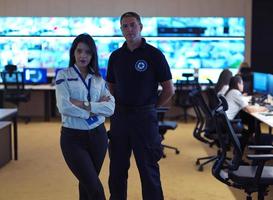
223,79
234,81
93,66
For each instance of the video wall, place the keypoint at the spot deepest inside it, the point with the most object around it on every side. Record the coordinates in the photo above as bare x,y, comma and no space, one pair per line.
187,42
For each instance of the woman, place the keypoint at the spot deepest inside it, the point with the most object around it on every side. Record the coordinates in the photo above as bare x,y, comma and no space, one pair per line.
236,100
223,82
246,73
84,101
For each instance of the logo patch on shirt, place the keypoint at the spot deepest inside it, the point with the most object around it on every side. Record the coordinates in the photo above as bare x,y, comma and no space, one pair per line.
141,65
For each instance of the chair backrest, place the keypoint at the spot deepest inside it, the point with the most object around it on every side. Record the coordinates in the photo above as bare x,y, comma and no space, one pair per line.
14,86
183,88
204,124
13,80
10,68
197,97
228,126
213,100
226,137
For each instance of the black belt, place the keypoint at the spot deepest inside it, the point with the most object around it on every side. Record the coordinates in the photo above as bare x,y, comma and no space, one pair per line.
122,108
78,131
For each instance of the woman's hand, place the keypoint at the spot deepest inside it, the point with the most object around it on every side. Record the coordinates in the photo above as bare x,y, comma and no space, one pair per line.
76,102
80,104
104,98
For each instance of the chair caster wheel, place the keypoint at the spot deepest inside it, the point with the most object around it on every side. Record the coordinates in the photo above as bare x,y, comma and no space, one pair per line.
197,162
200,168
177,152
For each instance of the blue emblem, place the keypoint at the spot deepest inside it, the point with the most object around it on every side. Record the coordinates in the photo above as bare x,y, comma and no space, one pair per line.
141,65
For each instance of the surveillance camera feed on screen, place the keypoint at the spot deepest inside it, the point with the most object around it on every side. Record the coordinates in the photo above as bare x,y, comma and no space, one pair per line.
208,44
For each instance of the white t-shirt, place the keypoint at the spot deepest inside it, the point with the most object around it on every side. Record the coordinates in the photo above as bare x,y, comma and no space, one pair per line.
236,102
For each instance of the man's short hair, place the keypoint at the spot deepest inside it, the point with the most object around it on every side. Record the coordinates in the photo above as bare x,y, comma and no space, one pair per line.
130,14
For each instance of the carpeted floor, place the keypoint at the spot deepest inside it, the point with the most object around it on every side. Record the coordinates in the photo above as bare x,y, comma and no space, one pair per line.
41,173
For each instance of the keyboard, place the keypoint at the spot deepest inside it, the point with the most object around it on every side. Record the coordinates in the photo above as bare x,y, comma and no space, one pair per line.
269,107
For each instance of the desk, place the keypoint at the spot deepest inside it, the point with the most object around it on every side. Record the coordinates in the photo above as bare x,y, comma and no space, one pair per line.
5,143
263,117
254,125
10,114
48,92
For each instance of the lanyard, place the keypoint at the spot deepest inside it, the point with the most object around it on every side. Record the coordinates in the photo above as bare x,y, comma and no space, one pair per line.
86,86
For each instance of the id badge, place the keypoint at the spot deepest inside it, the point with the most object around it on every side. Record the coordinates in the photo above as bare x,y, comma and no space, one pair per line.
92,120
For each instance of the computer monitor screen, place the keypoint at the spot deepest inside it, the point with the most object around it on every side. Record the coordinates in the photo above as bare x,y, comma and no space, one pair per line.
53,52
177,74
35,75
213,74
186,42
205,74
260,82
270,84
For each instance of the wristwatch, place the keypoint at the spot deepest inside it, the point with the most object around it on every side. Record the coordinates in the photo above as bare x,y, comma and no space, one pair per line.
86,104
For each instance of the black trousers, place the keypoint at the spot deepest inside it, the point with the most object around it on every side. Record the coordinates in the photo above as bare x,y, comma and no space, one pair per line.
137,131
84,153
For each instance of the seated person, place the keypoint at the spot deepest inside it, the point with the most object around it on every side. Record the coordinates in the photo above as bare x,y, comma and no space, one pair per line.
236,100
222,84
236,103
246,73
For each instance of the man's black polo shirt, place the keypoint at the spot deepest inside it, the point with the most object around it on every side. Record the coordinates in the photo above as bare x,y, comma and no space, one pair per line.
136,74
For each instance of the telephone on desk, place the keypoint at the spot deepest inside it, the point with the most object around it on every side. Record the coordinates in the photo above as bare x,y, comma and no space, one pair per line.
258,100
269,107
261,100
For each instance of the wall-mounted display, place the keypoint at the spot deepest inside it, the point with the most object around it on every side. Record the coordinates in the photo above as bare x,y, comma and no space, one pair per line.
187,42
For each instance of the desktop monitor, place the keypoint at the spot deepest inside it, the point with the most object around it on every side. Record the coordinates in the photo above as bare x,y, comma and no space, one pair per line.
186,42
207,73
35,75
213,74
260,82
177,74
270,84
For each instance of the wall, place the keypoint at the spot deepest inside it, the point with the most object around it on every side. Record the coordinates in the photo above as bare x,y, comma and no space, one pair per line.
145,8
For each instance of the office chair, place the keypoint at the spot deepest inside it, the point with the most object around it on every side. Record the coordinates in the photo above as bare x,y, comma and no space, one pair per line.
164,126
14,87
250,178
183,88
205,130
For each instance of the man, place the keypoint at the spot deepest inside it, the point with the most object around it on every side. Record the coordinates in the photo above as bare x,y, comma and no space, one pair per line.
134,72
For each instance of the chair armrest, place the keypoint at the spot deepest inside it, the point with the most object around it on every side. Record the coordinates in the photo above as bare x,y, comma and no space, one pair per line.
262,157
162,109
235,120
167,125
161,112
261,147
